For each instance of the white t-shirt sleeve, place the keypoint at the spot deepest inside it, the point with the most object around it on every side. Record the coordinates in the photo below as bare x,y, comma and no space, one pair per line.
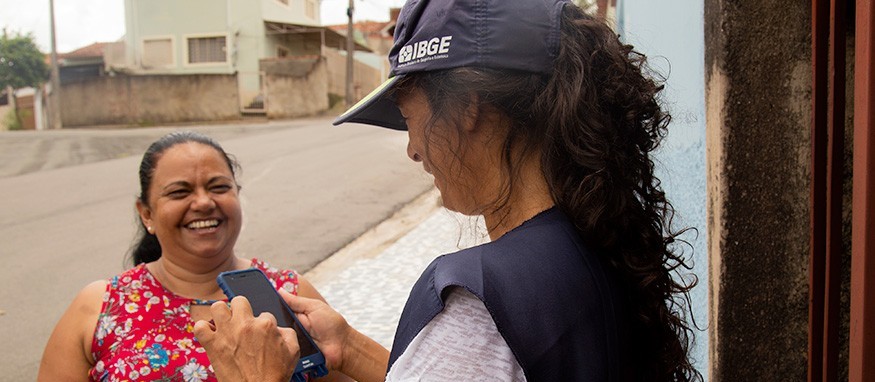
460,343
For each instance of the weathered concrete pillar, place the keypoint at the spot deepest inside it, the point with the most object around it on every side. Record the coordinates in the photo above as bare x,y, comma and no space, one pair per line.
758,84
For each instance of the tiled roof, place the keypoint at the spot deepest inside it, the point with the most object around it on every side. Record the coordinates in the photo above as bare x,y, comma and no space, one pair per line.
368,28
93,50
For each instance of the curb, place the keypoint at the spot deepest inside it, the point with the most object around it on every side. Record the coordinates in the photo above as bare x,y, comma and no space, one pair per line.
375,240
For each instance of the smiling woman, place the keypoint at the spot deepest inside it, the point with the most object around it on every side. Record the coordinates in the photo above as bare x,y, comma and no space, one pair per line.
139,325
189,205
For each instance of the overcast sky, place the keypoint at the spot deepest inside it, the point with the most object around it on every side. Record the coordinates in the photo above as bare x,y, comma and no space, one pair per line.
82,22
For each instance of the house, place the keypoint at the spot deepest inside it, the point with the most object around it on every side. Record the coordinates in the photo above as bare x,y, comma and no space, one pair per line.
379,37
82,63
248,39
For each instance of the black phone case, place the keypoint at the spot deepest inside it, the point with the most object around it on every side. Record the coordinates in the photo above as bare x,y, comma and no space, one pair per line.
312,365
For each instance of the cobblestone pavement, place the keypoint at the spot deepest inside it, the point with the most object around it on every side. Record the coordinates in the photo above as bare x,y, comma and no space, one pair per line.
369,282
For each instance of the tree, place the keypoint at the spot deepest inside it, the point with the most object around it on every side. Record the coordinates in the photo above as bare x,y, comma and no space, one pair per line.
21,62
21,65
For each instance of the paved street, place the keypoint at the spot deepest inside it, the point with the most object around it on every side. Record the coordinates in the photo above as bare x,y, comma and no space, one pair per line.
68,216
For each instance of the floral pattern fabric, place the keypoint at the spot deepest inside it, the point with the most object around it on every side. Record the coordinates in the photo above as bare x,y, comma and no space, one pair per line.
145,332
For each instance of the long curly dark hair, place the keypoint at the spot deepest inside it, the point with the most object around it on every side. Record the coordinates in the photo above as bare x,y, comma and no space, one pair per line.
594,122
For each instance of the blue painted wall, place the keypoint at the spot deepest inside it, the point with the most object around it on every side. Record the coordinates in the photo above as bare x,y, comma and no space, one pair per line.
671,34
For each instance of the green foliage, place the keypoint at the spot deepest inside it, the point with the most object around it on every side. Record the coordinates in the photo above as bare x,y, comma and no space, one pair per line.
21,62
11,121
334,99
145,123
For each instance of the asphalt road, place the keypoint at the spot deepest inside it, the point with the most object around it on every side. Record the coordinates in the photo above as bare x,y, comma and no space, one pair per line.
67,208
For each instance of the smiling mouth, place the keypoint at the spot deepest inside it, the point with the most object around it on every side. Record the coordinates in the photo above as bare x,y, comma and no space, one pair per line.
203,224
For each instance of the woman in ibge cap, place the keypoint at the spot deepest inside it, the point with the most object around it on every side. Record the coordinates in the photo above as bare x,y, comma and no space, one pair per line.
534,115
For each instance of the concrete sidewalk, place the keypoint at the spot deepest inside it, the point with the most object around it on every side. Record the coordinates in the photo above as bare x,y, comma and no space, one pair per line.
368,281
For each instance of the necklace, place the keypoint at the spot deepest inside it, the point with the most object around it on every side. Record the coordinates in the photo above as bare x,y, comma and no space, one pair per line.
162,276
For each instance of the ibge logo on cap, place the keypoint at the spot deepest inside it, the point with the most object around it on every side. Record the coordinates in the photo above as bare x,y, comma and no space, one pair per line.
425,50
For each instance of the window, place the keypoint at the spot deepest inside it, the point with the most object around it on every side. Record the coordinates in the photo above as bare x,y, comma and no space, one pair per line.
206,50
310,8
157,52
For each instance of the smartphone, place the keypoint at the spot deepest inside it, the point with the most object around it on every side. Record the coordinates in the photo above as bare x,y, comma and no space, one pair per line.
254,285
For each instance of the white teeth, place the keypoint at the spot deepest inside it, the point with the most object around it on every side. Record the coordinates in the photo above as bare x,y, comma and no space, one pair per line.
203,224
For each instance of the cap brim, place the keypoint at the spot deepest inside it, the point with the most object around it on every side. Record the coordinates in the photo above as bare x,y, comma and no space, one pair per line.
377,108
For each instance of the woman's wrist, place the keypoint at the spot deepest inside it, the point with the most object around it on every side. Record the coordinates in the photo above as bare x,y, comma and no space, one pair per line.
363,359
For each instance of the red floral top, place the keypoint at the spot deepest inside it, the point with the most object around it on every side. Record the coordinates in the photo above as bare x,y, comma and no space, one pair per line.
145,332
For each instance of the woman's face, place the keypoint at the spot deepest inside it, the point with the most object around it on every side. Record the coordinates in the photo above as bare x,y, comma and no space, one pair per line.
194,208
442,152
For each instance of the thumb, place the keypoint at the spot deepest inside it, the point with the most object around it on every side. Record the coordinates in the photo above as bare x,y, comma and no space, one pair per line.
300,305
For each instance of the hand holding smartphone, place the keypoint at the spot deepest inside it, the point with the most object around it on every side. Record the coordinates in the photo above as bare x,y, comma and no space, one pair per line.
254,285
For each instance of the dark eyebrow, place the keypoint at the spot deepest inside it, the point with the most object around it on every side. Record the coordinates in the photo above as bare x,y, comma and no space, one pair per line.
212,180
219,178
177,183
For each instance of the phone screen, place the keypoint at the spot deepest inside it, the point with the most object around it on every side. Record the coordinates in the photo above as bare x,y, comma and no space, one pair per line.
264,298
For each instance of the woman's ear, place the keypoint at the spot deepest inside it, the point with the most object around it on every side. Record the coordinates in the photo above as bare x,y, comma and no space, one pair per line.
145,215
471,116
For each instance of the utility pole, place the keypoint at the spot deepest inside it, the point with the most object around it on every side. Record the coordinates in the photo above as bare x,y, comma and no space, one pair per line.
350,48
55,96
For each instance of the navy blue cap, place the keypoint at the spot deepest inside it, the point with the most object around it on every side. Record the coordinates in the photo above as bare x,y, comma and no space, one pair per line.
521,35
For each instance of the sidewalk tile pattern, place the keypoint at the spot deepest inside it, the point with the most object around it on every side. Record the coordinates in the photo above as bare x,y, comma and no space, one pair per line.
370,293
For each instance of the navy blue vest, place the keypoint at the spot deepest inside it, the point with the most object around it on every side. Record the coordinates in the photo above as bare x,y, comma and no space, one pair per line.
554,302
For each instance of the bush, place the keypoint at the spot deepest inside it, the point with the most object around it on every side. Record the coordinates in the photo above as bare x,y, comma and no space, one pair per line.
10,122
334,99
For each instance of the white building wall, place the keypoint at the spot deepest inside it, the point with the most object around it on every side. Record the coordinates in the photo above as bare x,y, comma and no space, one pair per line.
178,21
240,22
300,12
